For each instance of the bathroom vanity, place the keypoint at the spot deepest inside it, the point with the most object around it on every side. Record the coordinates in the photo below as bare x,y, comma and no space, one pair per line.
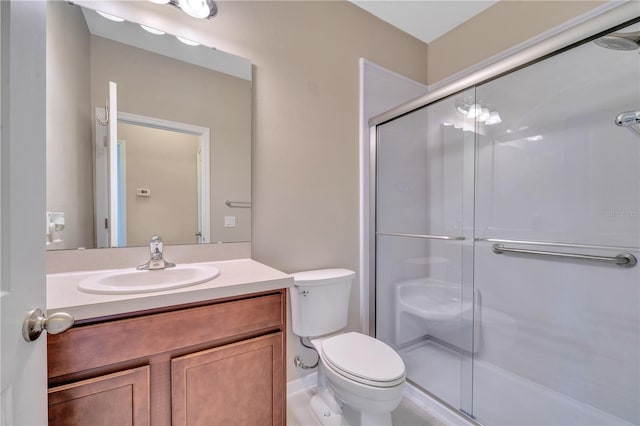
216,360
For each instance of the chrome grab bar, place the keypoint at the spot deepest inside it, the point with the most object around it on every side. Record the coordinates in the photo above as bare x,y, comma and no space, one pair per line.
429,237
626,260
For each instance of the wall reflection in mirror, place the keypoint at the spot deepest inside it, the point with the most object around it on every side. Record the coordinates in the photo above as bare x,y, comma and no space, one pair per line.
176,147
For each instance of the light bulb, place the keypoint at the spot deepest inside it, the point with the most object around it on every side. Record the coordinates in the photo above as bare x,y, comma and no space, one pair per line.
462,110
152,30
474,111
110,17
494,118
187,41
195,8
484,115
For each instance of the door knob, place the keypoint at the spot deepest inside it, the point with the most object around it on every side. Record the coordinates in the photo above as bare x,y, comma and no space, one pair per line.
36,322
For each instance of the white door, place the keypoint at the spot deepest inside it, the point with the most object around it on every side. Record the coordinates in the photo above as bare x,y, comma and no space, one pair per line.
23,380
112,141
106,167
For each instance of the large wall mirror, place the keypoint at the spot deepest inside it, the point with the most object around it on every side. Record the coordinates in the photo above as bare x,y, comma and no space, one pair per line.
146,136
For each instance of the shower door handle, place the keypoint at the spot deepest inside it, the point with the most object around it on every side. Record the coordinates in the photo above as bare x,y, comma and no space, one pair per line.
626,260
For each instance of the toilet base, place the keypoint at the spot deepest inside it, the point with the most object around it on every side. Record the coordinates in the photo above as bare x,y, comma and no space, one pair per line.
346,416
352,417
324,414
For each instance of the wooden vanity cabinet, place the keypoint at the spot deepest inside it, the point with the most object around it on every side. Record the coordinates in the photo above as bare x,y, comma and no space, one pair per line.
215,363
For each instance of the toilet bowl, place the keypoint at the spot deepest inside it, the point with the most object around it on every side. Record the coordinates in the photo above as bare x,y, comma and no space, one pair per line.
360,379
363,373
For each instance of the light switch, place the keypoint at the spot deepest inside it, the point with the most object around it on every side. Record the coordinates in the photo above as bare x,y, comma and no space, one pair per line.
230,221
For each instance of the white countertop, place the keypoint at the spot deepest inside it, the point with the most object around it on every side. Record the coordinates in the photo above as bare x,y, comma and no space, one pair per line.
237,277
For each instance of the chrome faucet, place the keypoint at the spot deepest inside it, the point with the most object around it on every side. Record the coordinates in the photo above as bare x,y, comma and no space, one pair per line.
156,261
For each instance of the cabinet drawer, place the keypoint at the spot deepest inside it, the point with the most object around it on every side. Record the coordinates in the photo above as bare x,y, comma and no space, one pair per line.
111,342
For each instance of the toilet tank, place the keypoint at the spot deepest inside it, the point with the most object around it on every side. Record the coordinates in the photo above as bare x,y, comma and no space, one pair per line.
320,301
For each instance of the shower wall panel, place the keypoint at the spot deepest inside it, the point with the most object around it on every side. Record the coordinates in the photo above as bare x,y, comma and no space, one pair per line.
557,168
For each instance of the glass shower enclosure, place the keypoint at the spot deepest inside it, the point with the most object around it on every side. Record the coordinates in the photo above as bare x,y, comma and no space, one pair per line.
507,231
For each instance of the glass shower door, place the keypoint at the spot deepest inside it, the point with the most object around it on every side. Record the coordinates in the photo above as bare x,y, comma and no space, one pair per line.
424,247
558,336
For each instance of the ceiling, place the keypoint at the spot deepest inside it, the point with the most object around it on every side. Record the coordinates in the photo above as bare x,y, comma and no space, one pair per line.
424,19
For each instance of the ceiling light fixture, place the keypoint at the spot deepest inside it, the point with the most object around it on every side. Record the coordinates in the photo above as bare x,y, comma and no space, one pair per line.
480,113
110,17
201,9
198,8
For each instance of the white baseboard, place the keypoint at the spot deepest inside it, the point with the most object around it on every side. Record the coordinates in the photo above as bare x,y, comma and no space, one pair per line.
303,383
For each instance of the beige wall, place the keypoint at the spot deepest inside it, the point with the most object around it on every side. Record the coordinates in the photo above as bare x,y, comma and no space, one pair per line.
162,87
305,123
305,139
69,149
503,25
305,114
164,162
305,133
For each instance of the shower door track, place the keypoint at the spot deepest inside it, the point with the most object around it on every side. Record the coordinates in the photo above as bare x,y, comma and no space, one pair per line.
428,237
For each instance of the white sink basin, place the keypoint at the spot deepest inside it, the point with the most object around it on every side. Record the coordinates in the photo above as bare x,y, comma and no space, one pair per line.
134,281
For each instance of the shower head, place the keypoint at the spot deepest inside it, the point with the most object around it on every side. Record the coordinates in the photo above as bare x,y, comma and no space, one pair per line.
620,41
628,118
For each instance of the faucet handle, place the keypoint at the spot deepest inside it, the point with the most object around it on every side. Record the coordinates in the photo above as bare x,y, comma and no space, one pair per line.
156,261
155,245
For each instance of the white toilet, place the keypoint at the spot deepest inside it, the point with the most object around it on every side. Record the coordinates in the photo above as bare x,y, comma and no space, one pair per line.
360,379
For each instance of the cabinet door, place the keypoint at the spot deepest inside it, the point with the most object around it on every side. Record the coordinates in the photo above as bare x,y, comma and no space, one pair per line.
115,399
237,384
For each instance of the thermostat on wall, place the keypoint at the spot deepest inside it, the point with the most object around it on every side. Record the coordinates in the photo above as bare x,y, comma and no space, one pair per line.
143,192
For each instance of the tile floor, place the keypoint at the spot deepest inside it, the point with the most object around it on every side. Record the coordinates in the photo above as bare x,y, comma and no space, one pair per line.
407,414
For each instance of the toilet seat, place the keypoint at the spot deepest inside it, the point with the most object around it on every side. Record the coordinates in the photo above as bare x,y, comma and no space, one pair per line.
363,359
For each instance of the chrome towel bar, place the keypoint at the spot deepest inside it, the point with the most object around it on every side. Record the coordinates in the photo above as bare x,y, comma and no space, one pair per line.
626,260
238,204
428,237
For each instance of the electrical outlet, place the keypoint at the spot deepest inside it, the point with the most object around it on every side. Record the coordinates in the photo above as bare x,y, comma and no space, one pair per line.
230,221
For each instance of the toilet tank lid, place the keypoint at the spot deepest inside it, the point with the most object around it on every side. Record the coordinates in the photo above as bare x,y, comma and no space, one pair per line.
321,276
